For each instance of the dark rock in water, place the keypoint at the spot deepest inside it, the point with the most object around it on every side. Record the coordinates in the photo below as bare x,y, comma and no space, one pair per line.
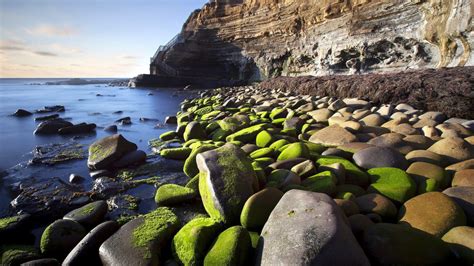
85,253
81,128
42,262
100,173
133,158
124,121
171,120
58,153
21,113
53,108
99,95
74,178
51,126
144,119
308,228
104,152
89,215
111,129
374,157
60,237
140,241
117,112
46,117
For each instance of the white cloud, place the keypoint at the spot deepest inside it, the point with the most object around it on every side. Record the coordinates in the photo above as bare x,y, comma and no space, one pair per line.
52,30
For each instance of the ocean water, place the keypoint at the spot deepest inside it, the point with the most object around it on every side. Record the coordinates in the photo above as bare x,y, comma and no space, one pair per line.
82,105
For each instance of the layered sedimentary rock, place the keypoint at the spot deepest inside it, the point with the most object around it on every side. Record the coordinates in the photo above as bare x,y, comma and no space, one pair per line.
258,39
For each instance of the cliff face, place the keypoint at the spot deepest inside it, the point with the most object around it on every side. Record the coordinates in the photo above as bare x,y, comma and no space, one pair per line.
259,39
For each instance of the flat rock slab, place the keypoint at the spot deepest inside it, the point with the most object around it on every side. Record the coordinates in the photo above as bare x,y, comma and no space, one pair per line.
308,228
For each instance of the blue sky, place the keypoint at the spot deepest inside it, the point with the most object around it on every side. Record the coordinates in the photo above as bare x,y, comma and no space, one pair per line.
86,38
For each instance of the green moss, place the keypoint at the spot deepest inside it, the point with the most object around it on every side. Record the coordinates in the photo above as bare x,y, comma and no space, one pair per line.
264,139
254,237
277,145
176,153
220,134
170,194
190,244
158,226
291,213
263,152
190,167
258,207
4,222
277,113
17,254
246,135
294,150
143,170
324,182
230,124
87,209
75,152
204,110
168,135
315,147
354,175
210,115
193,183
232,247
392,183
123,219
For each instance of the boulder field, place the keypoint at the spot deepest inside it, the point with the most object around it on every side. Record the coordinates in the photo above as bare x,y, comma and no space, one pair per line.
281,179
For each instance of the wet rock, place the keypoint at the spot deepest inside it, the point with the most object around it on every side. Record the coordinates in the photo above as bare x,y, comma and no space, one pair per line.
53,108
74,178
49,127
104,152
9,226
46,117
100,173
432,212
52,154
226,181
82,128
333,136
464,197
60,237
86,251
392,244
21,113
145,119
132,158
308,228
111,129
89,215
374,157
171,120
124,121
139,241
108,186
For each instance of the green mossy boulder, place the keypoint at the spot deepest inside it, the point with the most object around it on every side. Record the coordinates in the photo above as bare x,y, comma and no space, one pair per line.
176,153
226,181
258,207
277,145
354,175
191,243
294,150
106,151
264,139
324,182
246,135
393,183
171,194
12,255
220,134
169,135
232,247
60,237
231,124
204,110
194,130
281,178
315,147
262,152
190,167
254,237
89,215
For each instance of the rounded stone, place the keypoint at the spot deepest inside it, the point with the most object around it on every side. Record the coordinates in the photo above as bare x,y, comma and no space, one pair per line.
258,207
424,156
194,130
60,237
294,150
171,194
463,178
232,247
461,241
333,136
453,149
89,215
464,197
392,183
432,212
376,203
349,207
375,157
428,177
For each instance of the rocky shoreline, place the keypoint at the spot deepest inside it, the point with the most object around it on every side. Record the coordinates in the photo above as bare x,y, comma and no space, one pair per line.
275,175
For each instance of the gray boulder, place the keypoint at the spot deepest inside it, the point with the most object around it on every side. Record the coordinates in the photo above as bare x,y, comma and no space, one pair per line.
380,157
308,228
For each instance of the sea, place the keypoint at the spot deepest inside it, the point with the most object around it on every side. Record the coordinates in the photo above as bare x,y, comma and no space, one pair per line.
92,103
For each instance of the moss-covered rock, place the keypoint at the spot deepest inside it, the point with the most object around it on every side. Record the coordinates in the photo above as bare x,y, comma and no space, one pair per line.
226,181
264,139
90,214
176,153
294,150
324,182
194,130
60,237
281,178
104,152
354,175
171,194
393,183
258,207
169,135
193,183
428,177
191,243
220,134
246,135
262,152
277,145
17,254
190,167
231,124
232,247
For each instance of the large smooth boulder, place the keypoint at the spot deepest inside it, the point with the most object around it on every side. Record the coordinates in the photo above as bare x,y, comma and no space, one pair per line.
375,157
86,251
226,181
333,136
104,152
428,177
192,241
464,197
194,130
453,150
60,237
432,212
393,244
392,183
139,241
308,228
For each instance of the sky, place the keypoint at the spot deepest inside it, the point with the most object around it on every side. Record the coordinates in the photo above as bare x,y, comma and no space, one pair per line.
86,38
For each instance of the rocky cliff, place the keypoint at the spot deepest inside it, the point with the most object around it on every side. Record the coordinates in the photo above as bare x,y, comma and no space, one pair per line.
258,39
